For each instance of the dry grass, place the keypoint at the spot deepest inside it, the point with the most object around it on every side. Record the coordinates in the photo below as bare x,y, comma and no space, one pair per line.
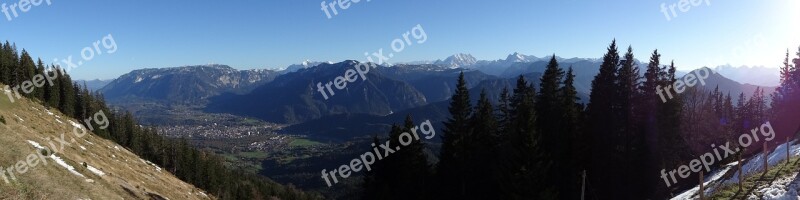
126,175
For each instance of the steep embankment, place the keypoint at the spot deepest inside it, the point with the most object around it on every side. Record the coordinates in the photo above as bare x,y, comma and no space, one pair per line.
88,167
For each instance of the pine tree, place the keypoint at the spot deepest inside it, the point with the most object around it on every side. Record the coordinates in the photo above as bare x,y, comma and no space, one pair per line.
601,129
451,162
27,70
4,68
53,92
525,163
66,94
674,149
11,61
409,165
39,92
550,114
627,122
482,151
576,143
375,180
504,111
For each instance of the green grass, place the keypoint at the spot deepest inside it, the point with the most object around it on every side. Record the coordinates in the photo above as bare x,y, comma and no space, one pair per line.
303,143
754,180
255,155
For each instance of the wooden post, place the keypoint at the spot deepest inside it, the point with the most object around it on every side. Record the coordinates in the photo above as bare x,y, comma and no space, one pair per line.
788,146
766,158
739,167
702,190
583,185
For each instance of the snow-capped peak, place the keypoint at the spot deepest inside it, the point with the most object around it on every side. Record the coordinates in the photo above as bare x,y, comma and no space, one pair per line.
518,57
460,60
303,65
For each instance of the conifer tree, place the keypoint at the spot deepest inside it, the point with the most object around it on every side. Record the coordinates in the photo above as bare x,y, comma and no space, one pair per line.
576,145
451,162
53,92
601,126
550,115
482,151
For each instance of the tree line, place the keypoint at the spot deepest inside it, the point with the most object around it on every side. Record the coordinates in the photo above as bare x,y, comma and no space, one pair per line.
203,169
542,143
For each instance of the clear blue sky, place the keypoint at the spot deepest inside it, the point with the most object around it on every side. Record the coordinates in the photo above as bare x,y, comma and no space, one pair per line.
273,34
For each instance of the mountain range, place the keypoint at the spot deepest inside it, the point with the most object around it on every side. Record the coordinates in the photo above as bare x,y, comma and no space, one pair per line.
190,84
388,94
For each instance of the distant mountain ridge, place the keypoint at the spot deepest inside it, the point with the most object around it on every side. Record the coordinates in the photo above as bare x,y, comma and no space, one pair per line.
96,84
189,84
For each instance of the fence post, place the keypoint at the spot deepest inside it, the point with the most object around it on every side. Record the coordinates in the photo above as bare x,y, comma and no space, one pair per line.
739,166
702,189
766,158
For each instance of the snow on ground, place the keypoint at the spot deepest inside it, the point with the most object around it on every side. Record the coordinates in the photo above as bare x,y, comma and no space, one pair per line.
87,141
95,170
36,144
59,121
75,124
49,113
20,119
713,177
154,165
82,147
756,164
781,189
65,165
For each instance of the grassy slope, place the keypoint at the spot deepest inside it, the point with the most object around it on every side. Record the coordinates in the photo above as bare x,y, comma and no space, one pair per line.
125,176
752,182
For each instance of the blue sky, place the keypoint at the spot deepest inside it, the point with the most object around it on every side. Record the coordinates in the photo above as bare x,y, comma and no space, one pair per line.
273,34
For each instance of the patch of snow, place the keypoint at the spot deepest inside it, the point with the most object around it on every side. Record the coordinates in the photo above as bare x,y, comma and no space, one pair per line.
65,165
87,141
49,113
756,164
95,170
783,188
138,79
36,144
20,119
75,124
59,121
713,177
83,148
